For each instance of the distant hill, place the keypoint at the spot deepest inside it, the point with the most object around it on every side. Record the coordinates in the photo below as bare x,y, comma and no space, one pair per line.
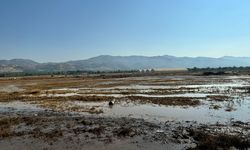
108,63
17,65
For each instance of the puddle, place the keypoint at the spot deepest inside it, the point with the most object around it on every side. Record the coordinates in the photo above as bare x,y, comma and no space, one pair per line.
162,113
239,77
10,88
195,95
18,106
147,87
59,95
66,89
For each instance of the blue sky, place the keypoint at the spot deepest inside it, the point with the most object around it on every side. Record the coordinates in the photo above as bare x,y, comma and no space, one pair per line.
60,30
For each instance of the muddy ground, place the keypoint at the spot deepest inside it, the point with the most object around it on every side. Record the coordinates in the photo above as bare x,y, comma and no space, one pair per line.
125,112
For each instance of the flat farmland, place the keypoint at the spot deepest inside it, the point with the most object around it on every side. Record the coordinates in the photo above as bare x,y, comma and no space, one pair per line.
125,112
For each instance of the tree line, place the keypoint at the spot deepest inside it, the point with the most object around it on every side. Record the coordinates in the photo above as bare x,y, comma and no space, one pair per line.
220,69
77,72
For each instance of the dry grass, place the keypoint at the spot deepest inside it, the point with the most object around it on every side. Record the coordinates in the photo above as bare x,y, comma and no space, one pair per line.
218,97
207,141
170,101
7,123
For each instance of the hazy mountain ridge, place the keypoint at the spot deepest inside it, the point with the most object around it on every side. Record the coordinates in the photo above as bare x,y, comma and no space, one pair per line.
107,62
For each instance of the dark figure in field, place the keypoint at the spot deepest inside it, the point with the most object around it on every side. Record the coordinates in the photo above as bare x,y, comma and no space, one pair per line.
111,103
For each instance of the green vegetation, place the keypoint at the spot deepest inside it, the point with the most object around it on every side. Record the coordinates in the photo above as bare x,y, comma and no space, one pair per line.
78,72
220,70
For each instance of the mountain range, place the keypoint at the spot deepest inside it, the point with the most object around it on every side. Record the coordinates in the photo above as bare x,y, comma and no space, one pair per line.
109,63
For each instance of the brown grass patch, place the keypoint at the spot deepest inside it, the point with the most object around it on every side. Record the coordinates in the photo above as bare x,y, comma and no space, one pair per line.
220,141
170,101
218,97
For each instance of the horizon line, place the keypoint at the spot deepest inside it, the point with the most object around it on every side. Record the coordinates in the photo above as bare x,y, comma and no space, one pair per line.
122,56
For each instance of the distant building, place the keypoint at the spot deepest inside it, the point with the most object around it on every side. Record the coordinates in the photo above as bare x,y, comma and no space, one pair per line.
169,69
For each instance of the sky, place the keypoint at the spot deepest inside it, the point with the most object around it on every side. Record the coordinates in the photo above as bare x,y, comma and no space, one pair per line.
62,30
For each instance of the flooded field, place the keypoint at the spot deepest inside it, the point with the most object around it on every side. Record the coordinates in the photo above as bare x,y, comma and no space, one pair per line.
151,112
